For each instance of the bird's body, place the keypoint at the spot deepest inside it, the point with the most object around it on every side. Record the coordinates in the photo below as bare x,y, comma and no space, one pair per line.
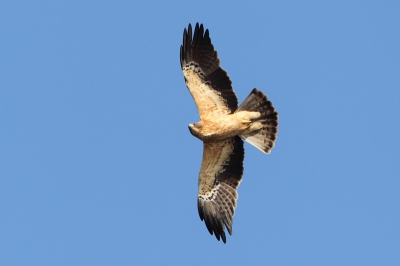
218,127
222,127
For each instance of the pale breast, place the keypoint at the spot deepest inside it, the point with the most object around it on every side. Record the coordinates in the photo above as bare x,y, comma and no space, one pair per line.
218,127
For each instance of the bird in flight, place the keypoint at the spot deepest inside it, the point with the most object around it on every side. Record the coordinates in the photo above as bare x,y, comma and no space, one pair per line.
222,127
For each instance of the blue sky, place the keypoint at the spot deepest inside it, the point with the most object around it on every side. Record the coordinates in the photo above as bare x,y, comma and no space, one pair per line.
97,166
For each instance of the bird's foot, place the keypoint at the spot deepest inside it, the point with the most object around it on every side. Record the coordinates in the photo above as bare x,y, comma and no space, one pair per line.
246,122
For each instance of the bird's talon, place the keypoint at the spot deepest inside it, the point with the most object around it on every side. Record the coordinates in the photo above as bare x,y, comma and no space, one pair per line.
244,121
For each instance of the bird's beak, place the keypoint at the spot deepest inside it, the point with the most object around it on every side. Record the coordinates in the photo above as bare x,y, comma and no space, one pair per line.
190,126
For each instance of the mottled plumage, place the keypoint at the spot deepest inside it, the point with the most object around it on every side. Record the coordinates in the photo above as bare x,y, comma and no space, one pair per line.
222,127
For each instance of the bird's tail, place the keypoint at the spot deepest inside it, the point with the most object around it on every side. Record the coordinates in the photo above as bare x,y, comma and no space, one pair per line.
264,138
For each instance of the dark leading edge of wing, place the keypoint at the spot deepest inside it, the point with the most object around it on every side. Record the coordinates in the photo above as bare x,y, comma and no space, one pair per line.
200,53
218,212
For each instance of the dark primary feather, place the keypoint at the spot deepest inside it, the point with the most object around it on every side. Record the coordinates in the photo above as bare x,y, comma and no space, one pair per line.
217,213
199,53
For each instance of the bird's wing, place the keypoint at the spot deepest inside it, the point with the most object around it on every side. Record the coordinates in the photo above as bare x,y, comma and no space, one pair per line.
220,175
208,83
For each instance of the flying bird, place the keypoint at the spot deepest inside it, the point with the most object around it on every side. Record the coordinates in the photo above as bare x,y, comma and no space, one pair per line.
222,127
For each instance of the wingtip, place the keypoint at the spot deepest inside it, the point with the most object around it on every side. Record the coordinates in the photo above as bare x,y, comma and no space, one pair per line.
223,238
190,27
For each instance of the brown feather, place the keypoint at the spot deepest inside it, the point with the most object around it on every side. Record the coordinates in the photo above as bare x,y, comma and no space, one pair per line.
220,175
264,138
208,83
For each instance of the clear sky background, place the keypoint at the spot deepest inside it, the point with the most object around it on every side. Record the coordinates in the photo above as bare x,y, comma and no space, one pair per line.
97,166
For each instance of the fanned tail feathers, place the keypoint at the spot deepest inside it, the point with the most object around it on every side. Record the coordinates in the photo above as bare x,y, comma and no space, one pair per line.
264,138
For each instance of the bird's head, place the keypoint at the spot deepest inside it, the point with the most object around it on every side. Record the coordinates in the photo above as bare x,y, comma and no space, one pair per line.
195,129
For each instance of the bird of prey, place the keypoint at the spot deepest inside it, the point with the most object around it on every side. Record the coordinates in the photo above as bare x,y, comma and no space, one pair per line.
222,127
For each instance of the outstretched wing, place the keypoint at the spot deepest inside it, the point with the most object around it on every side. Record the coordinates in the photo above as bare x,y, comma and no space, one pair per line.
208,83
220,175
